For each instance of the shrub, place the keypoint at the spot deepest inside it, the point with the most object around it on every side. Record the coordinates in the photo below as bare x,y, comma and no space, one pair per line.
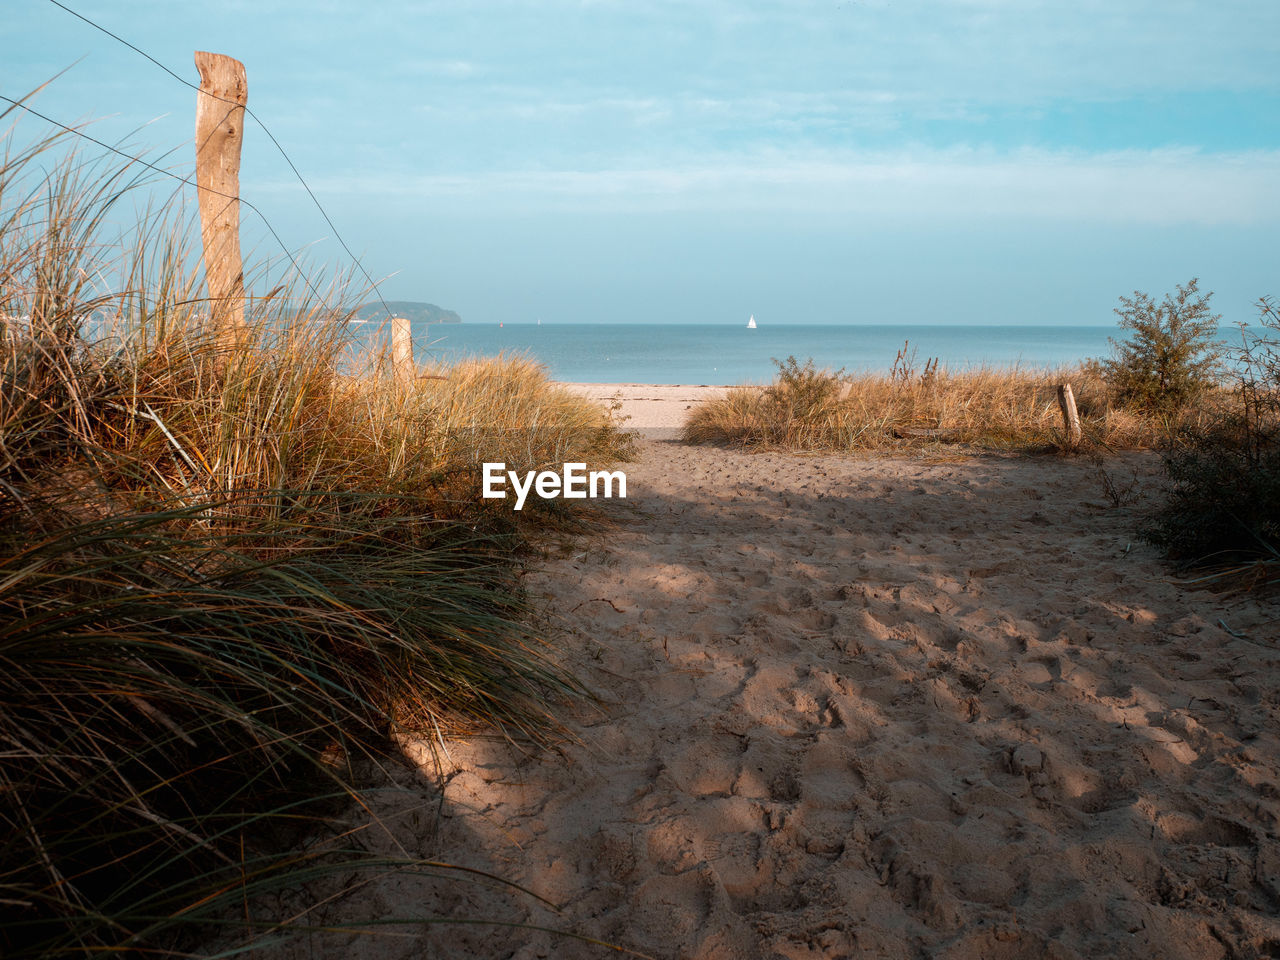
1223,507
1171,357
802,391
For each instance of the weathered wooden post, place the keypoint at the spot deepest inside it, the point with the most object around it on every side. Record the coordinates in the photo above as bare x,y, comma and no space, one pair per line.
224,91
1070,418
402,350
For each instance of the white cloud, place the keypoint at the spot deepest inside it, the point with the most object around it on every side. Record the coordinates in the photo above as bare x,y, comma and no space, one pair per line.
1152,187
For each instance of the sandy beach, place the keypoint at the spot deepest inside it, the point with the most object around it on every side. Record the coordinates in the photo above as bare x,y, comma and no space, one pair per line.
656,411
859,706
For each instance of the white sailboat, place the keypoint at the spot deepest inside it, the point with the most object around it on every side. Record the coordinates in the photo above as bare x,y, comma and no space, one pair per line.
751,323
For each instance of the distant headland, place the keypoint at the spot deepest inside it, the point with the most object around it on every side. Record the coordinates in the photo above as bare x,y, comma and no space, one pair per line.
416,312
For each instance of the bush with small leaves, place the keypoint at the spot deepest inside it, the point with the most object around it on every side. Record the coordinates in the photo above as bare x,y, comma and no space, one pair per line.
1171,357
803,390
1223,508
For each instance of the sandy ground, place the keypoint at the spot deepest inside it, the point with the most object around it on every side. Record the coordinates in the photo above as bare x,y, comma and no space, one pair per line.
865,707
656,411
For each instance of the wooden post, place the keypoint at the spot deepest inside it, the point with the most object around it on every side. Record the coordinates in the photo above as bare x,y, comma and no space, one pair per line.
219,132
1070,418
402,349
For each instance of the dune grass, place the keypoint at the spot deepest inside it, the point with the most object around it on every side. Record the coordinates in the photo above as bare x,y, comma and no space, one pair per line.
225,564
814,409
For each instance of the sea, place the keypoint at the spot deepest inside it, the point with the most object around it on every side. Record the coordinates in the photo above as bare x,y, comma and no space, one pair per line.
716,354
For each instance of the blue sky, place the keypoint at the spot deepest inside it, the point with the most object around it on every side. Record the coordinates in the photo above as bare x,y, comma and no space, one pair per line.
874,161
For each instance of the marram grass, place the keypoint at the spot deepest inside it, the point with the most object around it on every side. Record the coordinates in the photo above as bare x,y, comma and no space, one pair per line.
176,687
813,409
224,563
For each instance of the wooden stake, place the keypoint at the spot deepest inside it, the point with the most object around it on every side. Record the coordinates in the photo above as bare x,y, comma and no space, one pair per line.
219,133
402,349
1070,418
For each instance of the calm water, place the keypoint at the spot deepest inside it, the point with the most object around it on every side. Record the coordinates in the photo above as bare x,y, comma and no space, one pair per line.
715,353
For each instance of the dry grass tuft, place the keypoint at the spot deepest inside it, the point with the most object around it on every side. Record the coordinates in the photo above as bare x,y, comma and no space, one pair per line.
809,408
222,561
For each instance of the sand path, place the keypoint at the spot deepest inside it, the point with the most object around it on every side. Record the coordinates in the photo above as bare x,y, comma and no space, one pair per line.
870,707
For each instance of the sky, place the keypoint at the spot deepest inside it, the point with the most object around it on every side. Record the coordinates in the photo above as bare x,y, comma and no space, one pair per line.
856,161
